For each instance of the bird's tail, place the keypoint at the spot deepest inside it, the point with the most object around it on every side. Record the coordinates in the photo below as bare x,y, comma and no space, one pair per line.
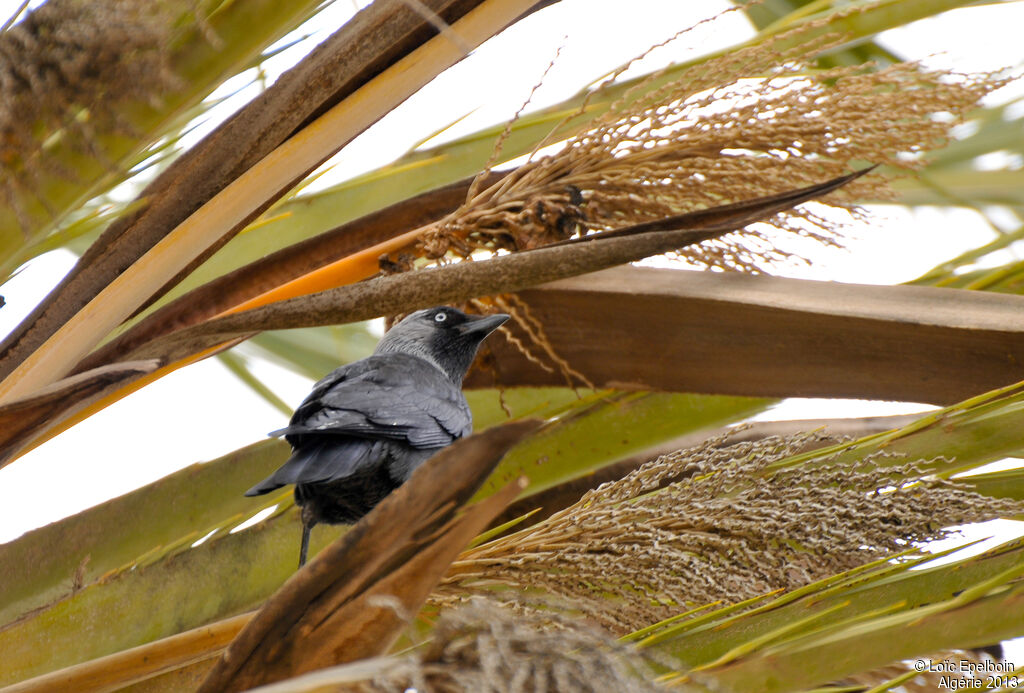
290,472
331,457
265,486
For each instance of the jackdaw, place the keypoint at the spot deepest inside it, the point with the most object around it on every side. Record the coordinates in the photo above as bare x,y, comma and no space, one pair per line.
366,426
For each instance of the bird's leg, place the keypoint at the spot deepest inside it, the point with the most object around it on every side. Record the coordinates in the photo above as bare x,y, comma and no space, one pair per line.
308,521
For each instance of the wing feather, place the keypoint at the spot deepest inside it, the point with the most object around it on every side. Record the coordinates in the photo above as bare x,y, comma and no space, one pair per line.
392,396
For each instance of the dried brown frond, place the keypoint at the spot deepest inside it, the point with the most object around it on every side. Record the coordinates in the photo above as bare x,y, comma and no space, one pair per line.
481,647
638,550
64,71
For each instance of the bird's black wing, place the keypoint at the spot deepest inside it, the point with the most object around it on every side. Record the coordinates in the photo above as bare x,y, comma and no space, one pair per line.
370,413
391,396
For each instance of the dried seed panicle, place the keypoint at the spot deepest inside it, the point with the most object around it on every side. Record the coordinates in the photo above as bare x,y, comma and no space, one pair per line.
729,528
745,124
66,70
481,647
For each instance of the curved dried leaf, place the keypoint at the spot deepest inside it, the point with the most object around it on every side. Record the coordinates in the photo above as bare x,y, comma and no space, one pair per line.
23,419
247,282
453,283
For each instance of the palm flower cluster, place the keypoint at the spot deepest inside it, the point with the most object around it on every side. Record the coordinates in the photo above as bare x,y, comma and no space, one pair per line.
481,647
749,123
716,522
67,70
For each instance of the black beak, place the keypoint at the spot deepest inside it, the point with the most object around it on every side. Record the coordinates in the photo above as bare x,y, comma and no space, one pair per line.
482,324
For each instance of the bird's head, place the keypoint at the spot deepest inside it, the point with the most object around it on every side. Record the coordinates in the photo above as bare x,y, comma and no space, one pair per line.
444,336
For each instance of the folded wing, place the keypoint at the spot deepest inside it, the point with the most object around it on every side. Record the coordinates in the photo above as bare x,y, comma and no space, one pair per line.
386,408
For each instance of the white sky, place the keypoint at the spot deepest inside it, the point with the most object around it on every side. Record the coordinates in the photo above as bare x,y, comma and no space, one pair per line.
202,411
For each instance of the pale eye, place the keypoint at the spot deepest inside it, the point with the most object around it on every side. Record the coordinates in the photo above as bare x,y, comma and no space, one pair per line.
440,317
